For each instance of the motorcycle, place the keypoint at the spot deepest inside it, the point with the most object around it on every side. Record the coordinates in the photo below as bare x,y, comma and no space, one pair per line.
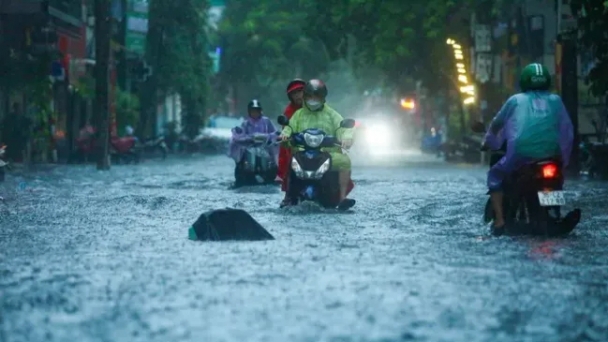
3,164
533,197
153,145
310,177
123,148
257,165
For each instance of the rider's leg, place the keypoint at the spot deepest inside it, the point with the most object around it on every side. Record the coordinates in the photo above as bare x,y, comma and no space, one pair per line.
341,163
499,216
343,180
496,175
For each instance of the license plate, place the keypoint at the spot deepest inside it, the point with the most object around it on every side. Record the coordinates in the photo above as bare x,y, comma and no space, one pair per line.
551,198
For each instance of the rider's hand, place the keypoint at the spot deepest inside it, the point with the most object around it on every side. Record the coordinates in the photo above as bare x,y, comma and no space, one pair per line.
347,143
283,137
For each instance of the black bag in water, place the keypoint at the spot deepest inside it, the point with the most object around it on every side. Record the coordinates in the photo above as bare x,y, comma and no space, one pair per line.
227,224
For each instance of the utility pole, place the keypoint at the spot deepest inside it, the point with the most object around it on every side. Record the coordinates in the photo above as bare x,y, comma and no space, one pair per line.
567,45
102,61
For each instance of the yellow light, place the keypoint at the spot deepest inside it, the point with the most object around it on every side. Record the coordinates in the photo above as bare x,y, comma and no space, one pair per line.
457,51
459,57
459,65
469,100
450,41
408,104
462,78
468,89
457,46
462,71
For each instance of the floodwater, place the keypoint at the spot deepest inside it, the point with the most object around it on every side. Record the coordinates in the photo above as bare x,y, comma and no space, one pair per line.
104,256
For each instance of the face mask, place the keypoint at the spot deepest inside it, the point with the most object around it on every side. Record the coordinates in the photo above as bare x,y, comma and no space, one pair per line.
314,105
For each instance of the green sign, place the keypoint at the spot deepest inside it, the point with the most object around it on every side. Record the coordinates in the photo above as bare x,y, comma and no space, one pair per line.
136,42
137,26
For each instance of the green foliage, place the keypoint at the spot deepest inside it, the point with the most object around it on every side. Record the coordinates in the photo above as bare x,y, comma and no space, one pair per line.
264,46
405,39
592,26
177,50
127,109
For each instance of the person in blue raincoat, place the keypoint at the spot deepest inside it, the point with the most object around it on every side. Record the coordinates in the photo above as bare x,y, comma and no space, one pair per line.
256,123
535,125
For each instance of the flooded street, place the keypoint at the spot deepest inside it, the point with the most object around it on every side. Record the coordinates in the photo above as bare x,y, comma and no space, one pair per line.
91,256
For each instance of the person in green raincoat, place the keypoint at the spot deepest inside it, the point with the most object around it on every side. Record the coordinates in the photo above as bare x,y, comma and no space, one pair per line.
317,114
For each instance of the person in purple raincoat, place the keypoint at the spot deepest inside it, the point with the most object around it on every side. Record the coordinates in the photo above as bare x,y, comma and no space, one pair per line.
256,123
535,125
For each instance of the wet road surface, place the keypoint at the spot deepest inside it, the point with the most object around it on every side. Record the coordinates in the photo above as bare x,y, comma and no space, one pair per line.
89,256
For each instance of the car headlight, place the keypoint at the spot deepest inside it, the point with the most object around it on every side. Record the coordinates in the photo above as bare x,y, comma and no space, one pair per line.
313,140
322,169
378,134
379,130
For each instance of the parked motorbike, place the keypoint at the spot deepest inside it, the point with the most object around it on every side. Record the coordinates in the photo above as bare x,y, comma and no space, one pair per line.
257,166
154,145
311,178
121,148
533,197
3,164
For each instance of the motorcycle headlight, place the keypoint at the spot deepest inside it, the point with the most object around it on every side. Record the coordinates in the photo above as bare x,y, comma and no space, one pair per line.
313,140
322,169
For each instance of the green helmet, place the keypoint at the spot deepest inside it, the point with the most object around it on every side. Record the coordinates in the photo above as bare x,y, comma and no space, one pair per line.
535,76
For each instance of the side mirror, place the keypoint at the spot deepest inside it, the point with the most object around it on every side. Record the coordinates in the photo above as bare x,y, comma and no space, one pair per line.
283,120
347,123
478,127
238,130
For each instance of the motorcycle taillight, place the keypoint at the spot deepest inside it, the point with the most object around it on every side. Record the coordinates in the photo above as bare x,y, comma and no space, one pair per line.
550,171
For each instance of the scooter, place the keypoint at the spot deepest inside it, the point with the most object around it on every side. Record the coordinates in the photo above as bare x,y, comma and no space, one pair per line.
533,197
311,178
153,145
257,165
122,148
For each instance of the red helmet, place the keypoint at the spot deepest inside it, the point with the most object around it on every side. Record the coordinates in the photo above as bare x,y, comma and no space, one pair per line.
296,84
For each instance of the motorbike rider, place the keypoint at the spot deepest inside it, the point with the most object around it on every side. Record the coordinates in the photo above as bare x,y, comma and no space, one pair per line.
535,125
256,123
295,94
317,114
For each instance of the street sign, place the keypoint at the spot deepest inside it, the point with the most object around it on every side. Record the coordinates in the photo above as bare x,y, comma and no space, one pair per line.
136,42
137,26
483,67
483,38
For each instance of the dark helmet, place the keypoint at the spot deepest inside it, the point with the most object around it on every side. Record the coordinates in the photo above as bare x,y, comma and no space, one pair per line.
315,87
296,84
254,104
535,76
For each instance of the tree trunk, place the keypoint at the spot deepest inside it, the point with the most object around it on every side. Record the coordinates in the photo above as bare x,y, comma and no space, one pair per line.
102,60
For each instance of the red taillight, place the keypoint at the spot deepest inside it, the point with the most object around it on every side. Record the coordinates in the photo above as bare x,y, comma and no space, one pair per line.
357,123
549,171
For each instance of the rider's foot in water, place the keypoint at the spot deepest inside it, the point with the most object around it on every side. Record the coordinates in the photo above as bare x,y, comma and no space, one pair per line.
498,228
346,204
286,202
573,217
